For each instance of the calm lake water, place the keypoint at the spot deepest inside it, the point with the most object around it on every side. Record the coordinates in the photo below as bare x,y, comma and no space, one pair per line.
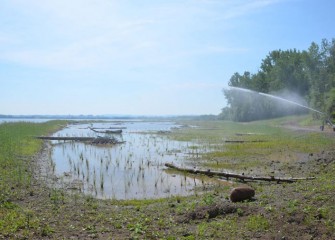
132,170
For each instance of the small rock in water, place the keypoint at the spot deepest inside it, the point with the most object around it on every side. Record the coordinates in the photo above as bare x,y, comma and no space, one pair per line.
239,194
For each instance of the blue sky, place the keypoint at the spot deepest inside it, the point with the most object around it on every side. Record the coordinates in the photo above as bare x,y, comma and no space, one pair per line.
149,57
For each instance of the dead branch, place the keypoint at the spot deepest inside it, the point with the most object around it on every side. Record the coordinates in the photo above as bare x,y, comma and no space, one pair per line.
67,138
92,140
234,175
119,131
242,141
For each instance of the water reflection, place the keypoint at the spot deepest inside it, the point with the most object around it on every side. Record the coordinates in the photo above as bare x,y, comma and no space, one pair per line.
130,170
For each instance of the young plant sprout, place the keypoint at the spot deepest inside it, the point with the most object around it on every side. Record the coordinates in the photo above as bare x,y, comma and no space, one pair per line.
137,162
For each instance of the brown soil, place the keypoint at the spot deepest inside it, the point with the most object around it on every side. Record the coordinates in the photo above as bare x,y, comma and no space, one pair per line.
209,212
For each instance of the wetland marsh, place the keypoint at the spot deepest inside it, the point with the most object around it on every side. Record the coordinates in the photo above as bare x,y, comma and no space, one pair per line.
33,208
131,169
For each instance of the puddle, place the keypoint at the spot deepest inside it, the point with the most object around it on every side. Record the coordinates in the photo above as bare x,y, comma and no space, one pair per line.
132,170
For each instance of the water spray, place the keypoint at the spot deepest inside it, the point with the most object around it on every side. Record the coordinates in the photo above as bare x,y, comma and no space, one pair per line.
276,98
285,100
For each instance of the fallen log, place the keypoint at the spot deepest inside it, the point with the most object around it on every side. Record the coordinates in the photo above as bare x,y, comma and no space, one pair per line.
247,134
67,138
92,140
108,128
243,141
119,131
234,175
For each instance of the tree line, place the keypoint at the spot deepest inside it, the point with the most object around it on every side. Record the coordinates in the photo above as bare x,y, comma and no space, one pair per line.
306,77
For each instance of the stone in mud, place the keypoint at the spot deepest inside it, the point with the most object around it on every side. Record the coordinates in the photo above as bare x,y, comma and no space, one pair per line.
241,193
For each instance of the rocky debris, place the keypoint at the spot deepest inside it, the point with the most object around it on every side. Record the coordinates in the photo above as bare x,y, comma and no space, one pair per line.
325,157
105,140
209,212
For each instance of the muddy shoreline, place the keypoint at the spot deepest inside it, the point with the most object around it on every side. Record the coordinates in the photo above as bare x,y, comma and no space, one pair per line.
44,172
50,209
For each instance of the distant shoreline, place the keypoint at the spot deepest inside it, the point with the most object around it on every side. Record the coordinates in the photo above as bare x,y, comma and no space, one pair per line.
108,117
70,116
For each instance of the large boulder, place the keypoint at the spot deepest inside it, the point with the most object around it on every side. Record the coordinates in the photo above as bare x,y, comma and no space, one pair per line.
239,194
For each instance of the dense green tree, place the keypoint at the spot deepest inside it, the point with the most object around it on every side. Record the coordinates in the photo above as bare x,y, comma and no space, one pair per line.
286,69
238,80
330,103
309,74
321,69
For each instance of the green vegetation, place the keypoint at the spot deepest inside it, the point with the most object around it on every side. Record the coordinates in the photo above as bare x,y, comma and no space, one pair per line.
17,149
31,209
309,74
264,142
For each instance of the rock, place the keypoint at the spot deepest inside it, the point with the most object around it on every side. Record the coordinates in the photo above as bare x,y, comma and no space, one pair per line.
241,193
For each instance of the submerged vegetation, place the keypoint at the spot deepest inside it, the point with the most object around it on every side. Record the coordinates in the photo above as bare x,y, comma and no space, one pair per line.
32,209
132,169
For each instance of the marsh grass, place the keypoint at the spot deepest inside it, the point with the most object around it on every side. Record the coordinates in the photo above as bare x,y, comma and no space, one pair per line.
264,142
302,210
17,148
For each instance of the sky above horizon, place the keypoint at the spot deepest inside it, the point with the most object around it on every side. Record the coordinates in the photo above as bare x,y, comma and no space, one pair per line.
148,57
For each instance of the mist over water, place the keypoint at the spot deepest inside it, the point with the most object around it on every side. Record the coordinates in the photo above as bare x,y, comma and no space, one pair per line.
281,99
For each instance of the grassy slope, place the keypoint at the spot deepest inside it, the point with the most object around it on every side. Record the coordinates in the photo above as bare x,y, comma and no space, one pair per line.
29,209
17,149
302,210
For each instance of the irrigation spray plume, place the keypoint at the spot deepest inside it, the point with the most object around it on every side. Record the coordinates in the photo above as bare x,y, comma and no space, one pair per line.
275,97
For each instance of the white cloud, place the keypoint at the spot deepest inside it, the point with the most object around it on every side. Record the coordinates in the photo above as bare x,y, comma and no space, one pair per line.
107,33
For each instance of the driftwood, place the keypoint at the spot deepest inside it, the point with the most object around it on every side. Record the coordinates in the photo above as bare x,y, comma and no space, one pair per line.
248,134
119,131
108,127
97,140
234,175
67,138
241,141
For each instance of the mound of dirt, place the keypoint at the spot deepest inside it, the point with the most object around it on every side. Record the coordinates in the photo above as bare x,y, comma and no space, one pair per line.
211,211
